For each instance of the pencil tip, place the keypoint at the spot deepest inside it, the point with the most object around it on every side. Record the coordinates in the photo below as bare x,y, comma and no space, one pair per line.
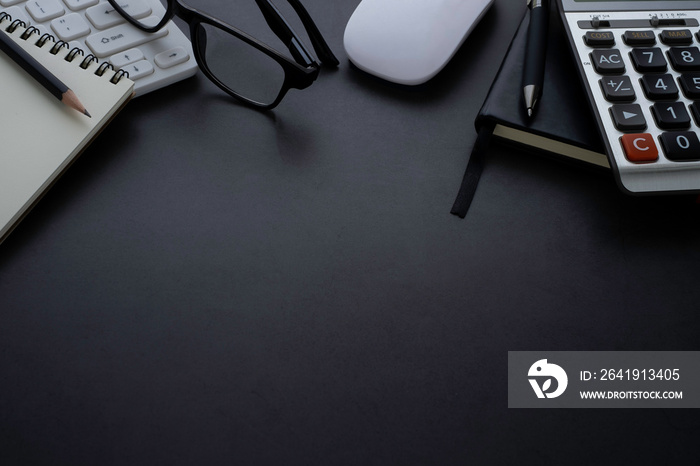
70,99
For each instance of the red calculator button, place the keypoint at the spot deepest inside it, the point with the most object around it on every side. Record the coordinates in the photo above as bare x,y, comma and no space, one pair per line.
640,147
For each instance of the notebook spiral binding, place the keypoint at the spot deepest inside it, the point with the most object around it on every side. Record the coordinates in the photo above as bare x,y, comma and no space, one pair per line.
58,45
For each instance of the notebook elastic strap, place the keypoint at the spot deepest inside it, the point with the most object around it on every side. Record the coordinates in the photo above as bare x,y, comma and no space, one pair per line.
473,172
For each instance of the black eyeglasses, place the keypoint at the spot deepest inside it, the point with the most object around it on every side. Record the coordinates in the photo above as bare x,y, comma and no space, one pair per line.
239,64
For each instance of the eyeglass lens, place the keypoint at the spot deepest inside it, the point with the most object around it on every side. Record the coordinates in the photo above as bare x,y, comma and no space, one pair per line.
242,68
245,70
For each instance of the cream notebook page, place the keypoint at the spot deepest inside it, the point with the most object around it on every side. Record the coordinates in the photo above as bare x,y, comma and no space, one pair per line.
39,135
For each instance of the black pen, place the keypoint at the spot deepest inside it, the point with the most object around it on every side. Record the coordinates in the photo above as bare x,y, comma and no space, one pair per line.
37,71
535,53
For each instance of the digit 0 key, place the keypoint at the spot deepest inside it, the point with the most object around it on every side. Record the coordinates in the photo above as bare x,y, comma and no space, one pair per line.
681,146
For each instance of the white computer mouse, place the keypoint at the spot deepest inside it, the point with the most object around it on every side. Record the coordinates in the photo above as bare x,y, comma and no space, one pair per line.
409,41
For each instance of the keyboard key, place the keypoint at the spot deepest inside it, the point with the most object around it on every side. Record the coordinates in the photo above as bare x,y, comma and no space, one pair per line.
677,37
617,89
640,148
104,15
628,117
690,83
44,10
681,146
647,60
171,57
599,38
10,2
77,5
124,58
119,38
608,61
135,8
671,115
70,27
639,38
139,69
684,58
18,13
659,87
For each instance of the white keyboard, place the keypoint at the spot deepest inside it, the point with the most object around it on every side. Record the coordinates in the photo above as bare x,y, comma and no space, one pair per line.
153,60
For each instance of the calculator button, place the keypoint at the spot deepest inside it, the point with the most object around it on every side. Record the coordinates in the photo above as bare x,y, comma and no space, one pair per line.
640,148
671,115
649,60
677,37
659,87
628,117
617,89
690,83
599,39
680,146
639,37
695,110
608,61
685,58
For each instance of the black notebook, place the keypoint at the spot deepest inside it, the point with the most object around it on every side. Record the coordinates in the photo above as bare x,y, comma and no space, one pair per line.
563,124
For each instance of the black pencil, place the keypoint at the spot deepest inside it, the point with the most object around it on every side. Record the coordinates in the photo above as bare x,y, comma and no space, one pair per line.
37,71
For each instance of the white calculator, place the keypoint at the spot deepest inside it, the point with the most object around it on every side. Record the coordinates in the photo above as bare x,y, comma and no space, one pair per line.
640,63
152,60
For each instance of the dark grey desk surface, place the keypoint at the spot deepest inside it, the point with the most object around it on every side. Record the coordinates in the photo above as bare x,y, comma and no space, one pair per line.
213,285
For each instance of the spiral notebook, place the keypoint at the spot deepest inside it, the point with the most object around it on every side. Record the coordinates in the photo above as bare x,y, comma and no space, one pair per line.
39,136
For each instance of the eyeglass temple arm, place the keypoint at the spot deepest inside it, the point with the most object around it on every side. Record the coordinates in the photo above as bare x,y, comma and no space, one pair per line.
317,41
280,27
